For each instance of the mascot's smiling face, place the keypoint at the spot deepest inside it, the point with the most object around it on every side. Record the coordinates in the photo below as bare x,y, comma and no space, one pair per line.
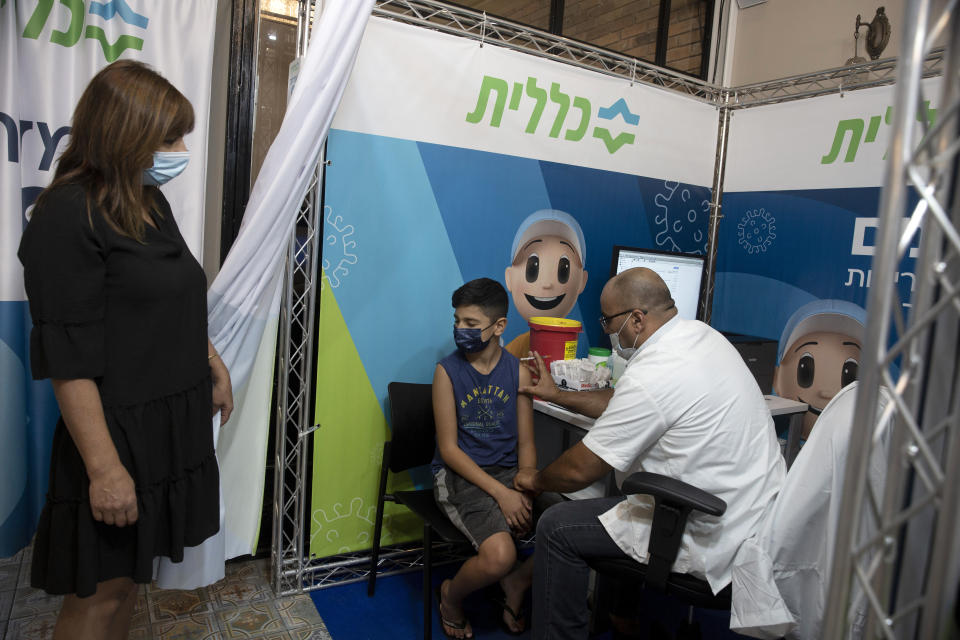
546,277
819,354
814,369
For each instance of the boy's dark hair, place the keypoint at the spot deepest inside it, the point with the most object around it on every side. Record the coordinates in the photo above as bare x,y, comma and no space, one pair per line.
485,293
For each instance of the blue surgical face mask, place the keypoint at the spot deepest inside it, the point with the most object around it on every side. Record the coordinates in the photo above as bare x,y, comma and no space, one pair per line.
624,352
167,165
471,340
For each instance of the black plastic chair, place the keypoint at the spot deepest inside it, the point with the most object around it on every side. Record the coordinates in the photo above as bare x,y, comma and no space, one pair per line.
674,500
412,444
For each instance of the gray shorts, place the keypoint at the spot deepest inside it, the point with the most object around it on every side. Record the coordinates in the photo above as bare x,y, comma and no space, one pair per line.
471,509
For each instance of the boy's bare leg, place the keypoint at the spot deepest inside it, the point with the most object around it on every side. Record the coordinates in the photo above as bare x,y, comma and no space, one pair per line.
494,560
515,585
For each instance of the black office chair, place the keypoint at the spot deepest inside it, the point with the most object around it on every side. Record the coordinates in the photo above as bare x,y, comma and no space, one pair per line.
412,444
674,500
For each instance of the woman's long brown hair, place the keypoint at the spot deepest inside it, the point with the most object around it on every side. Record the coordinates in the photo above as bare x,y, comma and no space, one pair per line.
127,112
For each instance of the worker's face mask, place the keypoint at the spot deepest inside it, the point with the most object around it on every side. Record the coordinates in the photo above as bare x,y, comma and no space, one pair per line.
167,165
624,352
471,340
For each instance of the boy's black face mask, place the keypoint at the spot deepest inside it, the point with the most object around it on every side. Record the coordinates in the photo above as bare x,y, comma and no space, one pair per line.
471,340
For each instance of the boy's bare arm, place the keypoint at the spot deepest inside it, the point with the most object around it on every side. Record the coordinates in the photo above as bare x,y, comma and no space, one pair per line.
526,446
511,502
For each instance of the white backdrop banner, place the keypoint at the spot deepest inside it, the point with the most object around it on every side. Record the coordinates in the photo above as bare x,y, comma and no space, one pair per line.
48,53
523,106
837,141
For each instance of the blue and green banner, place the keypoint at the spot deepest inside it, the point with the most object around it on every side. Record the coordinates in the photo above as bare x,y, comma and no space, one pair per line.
800,205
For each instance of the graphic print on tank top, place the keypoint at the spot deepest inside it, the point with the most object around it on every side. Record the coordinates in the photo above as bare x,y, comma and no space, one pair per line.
486,409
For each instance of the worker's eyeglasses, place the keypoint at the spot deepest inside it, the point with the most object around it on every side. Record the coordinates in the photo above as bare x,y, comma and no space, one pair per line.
605,320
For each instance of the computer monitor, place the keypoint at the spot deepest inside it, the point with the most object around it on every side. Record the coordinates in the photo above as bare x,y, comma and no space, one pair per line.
682,272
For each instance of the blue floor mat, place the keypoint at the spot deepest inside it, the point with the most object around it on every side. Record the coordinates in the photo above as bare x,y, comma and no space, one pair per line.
396,610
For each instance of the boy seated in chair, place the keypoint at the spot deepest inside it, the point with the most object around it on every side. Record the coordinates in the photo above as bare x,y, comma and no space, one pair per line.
484,434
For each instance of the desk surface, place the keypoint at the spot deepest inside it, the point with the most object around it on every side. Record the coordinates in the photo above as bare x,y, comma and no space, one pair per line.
782,406
778,407
555,410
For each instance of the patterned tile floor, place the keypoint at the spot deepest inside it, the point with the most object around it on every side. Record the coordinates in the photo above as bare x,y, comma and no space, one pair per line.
242,605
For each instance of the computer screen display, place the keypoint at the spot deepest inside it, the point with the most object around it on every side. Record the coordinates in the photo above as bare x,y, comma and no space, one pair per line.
681,271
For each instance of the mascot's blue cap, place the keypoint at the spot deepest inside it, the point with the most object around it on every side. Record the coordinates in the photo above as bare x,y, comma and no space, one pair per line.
835,316
550,222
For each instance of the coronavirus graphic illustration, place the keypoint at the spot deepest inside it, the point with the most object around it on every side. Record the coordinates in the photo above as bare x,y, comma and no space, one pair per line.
756,230
682,219
347,525
338,246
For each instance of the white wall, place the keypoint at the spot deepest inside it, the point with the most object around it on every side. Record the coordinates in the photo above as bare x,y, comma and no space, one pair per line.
781,38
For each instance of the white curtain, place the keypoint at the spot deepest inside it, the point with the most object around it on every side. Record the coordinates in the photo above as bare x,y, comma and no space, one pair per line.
244,300
781,576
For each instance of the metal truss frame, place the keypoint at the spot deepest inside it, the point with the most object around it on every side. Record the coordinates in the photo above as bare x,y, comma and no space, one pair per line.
295,386
874,73
293,568
485,28
898,553
295,374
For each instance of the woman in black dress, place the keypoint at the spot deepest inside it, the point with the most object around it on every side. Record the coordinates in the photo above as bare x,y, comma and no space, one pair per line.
120,327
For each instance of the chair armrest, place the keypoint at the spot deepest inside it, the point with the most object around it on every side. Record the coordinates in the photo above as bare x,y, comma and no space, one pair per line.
673,491
674,500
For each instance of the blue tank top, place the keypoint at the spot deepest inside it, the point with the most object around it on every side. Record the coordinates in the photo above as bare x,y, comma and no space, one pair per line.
486,409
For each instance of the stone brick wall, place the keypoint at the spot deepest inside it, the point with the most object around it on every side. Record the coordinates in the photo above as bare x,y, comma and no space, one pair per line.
626,26
688,24
535,13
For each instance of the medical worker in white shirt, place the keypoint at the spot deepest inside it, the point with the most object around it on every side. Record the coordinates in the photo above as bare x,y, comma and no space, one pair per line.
686,407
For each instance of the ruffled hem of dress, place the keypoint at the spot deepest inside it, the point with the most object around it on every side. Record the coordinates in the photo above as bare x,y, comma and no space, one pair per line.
143,493
73,552
201,382
167,446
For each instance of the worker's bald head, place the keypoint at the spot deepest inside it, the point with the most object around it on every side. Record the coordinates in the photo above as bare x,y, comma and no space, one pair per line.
638,288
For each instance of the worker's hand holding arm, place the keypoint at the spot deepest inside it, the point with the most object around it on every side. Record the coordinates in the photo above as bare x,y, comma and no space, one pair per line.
577,468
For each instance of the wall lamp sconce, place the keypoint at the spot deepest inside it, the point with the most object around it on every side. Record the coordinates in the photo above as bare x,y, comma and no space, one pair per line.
878,35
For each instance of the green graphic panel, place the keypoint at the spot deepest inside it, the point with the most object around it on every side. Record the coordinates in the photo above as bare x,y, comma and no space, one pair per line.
348,448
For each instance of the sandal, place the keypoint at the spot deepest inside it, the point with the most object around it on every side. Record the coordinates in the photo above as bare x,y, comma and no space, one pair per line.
519,618
459,625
